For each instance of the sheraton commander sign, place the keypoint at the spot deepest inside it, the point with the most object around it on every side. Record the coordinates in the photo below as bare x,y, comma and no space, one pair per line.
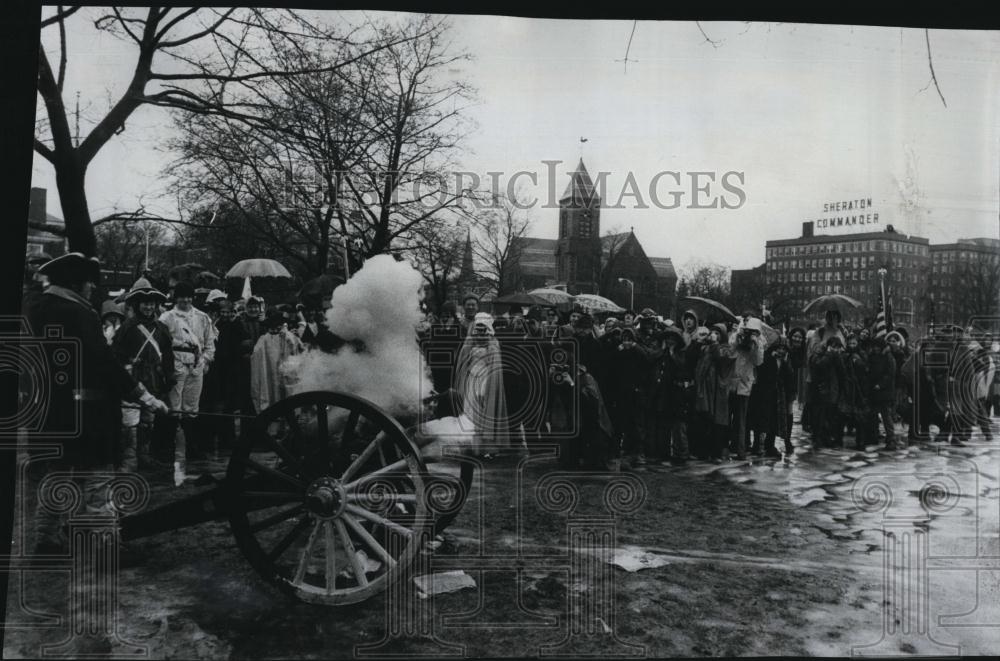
853,214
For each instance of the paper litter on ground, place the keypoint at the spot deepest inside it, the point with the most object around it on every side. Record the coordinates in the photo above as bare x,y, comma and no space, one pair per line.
634,558
442,583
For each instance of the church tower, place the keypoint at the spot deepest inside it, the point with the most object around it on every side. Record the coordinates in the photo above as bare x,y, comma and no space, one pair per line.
578,251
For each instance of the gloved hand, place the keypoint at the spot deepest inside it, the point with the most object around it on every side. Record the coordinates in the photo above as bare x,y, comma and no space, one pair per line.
156,405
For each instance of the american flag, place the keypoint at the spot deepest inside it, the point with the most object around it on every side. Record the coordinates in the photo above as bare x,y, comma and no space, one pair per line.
883,319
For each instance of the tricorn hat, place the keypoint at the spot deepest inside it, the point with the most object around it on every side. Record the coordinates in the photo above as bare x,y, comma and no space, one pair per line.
109,307
142,290
72,267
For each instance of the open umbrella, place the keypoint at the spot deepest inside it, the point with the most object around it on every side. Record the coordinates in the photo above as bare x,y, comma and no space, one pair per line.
708,309
258,268
319,288
837,302
552,296
207,277
595,303
521,299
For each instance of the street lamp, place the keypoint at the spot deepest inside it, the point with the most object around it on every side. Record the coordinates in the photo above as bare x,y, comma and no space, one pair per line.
631,293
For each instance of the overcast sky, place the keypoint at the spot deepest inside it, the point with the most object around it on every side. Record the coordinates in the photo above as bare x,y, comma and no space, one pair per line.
808,114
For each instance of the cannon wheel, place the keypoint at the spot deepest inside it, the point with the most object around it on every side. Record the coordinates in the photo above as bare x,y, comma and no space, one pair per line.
339,506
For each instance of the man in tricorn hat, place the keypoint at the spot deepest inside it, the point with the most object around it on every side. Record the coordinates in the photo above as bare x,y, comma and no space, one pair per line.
143,346
65,306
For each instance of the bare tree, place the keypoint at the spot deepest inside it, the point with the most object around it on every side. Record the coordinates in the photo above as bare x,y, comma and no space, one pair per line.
437,248
704,279
193,58
356,154
123,249
611,245
498,241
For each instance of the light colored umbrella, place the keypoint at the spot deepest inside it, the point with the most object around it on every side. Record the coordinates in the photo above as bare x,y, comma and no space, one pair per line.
553,296
258,268
837,302
596,303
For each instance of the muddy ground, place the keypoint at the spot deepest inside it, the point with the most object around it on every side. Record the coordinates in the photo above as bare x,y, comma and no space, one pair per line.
766,558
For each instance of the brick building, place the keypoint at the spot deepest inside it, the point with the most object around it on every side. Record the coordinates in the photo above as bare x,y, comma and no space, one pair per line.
800,269
584,262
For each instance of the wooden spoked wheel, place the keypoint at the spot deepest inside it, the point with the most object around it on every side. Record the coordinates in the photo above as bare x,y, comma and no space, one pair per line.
328,498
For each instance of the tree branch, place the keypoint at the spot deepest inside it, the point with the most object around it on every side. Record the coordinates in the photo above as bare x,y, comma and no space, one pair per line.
60,16
715,44
930,63
44,151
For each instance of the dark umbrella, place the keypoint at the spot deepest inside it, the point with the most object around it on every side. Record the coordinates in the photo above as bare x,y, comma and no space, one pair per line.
707,308
319,288
837,302
522,299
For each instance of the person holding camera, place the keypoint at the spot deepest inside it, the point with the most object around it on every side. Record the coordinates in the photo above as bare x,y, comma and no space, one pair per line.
748,350
713,386
104,383
629,369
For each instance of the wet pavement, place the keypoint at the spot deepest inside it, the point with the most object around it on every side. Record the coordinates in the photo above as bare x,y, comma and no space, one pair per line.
830,552
921,529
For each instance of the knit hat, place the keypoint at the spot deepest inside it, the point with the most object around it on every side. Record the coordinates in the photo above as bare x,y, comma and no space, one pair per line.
898,335
723,332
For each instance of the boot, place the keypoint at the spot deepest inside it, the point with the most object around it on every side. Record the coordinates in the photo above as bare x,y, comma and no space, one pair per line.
192,428
789,448
180,456
144,452
130,460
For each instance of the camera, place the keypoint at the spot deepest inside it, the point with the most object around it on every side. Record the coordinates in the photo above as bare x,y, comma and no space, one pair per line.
528,377
48,371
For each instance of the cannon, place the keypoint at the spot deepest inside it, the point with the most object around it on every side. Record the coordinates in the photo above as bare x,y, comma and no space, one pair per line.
328,497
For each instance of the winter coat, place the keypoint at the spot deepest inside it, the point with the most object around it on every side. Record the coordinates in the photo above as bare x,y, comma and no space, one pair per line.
84,410
713,382
882,373
221,385
855,399
827,376
267,384
149,362
773,390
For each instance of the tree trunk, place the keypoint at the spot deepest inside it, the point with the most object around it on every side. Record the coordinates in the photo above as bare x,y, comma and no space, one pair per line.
70,178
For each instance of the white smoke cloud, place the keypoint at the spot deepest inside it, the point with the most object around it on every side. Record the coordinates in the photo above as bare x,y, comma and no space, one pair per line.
379,305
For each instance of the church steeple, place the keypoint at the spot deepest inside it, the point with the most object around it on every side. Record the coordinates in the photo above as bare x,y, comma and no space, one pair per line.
578,252
467,274
580,189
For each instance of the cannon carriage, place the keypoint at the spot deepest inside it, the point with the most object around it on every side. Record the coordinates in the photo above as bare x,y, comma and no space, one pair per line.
328,497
